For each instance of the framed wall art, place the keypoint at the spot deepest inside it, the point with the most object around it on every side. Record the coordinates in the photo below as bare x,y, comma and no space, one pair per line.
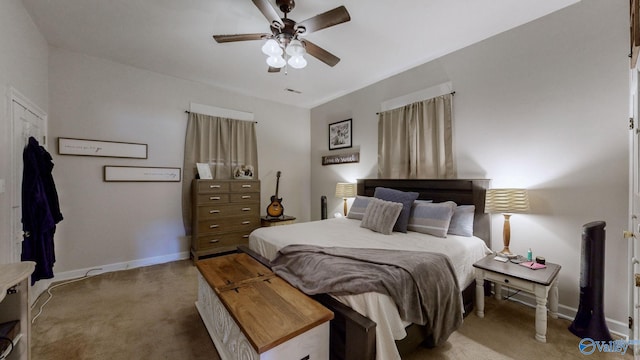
340,135
86,147
141,173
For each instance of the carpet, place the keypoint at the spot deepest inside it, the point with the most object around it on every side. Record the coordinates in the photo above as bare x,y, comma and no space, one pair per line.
149,313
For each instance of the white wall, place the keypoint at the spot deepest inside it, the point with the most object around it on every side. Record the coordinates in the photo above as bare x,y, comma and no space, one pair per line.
543,106
111,223
23,66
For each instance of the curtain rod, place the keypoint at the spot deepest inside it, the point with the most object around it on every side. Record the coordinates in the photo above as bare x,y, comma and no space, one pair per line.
189,112
453,93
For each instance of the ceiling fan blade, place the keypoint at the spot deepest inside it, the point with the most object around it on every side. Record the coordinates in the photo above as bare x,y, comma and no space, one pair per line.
273,69
240,37
320,53
269,12
333,17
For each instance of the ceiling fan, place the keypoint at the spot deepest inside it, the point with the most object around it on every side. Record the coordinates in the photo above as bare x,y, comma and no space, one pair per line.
286,35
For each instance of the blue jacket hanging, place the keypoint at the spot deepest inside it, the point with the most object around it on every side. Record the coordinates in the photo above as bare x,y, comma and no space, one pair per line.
40,210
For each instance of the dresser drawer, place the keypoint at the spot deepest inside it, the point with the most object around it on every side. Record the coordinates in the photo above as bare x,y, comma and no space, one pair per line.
222,211
218,226
245,186
212,186
509,281
207,242
244,198
212,198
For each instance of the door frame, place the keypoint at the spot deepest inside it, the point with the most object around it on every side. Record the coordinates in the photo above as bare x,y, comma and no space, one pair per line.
17,100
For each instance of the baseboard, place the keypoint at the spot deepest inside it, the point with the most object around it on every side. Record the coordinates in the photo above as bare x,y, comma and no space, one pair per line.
42,285
616,328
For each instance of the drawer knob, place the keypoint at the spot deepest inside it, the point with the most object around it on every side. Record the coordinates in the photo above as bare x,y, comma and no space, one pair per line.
214,241
246,209
213,226
246,222
214,186
506,281
214,198
246,196
246,186
214,211
245,236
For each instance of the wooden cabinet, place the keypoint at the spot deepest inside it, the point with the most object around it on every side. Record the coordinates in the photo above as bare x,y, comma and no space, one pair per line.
15,309
224,214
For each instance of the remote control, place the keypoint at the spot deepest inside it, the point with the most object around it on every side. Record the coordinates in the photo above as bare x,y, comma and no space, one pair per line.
501,259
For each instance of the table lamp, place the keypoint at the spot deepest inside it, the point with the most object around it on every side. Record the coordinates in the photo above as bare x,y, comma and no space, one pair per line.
345,190
507,202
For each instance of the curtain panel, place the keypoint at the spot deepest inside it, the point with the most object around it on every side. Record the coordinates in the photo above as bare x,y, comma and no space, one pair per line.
416,141
220,142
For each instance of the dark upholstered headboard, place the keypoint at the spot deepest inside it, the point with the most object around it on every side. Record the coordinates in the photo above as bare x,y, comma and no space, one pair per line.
461,191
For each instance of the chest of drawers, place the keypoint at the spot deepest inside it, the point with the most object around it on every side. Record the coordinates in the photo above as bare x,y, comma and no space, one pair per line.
224,214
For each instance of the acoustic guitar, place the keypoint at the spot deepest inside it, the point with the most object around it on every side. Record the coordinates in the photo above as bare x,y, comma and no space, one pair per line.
275,209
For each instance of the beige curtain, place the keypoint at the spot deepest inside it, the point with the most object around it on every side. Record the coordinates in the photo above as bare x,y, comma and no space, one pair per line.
220,142
416,141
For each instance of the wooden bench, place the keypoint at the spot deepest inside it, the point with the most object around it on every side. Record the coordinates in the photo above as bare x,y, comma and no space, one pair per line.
250,313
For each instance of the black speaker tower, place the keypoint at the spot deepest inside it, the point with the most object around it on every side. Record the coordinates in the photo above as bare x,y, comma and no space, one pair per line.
323,207
590,321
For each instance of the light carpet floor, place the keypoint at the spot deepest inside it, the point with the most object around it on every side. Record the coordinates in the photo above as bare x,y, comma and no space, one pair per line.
149,313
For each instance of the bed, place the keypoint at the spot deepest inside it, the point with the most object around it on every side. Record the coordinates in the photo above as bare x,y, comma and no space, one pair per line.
368,325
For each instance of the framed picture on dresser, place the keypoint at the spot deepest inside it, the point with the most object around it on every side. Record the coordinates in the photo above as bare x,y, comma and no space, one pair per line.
340,135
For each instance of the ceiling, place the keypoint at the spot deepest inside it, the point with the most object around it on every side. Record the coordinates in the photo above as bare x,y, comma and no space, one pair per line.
174,38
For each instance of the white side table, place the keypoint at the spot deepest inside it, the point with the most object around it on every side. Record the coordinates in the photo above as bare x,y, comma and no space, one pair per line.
543,283
15,305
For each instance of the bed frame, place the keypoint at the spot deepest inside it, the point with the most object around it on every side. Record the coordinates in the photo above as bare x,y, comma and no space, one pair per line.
352,334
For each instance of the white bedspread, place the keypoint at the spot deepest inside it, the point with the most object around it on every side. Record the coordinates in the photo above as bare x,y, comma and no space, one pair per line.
344,232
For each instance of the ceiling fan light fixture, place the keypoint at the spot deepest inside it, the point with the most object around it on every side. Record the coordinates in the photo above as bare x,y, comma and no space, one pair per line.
272,48
276,61
297,62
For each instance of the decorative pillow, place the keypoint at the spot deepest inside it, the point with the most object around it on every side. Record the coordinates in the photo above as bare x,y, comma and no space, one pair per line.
358,207
380,216
431,218
403,197
462,220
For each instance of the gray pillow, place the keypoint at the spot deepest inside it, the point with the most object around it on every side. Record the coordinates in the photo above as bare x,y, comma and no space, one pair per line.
431,218
358,207
406,198
380,216
462,220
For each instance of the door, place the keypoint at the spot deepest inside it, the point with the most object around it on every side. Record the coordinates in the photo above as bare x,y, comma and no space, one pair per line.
27,120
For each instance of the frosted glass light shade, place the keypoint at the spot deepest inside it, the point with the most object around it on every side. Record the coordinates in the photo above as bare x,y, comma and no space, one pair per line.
272,48
276,61
295,48
297,62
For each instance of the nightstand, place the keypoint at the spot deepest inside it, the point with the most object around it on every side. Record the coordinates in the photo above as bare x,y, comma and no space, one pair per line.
284,220
543,283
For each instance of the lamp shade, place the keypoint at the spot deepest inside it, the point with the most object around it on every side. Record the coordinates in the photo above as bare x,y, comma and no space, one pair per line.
506,201
345,190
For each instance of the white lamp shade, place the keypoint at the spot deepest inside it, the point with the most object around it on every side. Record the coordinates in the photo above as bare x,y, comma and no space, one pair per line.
276,61
346,190
297,62
506,201
272,48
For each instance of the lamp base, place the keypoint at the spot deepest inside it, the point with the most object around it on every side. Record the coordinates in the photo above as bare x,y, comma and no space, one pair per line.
507,253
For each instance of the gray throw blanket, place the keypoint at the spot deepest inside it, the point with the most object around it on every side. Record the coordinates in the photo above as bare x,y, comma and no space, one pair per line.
422,284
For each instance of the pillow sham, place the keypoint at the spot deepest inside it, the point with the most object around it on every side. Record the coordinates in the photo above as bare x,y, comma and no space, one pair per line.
403,197
380,216
431,218
358,207
462,220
